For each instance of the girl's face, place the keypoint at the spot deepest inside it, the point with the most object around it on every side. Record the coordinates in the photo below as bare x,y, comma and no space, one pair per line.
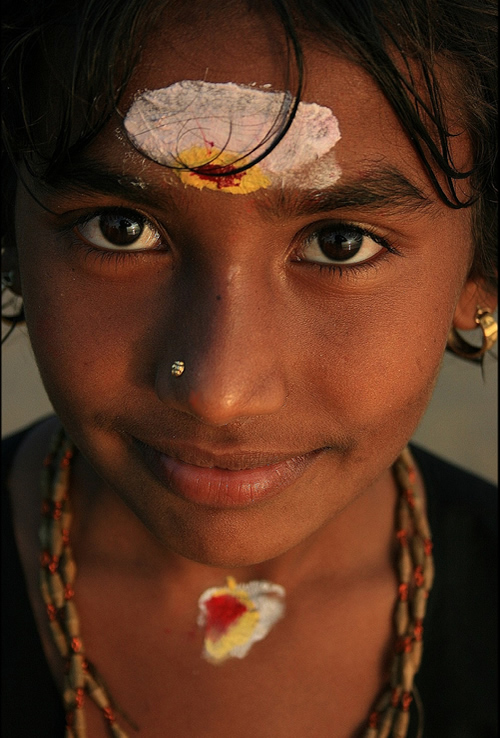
291,347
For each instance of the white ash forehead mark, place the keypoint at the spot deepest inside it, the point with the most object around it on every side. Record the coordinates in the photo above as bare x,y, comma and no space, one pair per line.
195,123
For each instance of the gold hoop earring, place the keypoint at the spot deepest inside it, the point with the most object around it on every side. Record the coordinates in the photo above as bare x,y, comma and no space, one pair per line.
489,327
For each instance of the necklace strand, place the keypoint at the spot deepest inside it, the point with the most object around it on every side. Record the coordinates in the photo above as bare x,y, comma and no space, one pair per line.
415,569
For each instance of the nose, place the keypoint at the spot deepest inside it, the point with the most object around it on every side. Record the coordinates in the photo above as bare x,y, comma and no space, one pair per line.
227,343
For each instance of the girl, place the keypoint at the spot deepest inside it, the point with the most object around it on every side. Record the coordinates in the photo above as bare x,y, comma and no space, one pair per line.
244,234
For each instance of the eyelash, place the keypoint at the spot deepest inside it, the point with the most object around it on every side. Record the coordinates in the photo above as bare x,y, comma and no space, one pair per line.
350,270
102,256
329,270
117,256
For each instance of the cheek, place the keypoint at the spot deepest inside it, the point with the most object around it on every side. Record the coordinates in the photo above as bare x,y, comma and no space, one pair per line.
84,332
380,361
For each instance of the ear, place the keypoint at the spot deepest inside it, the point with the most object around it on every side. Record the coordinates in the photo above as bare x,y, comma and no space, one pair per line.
474,295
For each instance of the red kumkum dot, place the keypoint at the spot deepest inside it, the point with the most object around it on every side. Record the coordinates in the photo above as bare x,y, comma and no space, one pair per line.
222,612
229,180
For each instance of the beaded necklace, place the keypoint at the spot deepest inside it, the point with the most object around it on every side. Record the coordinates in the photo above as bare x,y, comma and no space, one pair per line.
389,718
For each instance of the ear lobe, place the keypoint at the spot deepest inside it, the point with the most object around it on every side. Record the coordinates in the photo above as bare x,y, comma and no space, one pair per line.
474,295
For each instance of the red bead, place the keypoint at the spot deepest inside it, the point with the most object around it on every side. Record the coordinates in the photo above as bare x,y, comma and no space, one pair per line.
395,697
76,645
373,719
403,592
51,612
404,644
69,592
402,537
109,714
418,574
427,546
54,563
65,536
79,697
45,558
406,701
418,630
409,498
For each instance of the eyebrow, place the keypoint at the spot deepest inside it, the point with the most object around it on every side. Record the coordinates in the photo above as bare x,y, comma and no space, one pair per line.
377,188
88,177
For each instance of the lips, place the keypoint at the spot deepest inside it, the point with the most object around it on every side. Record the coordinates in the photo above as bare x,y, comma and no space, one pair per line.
228,481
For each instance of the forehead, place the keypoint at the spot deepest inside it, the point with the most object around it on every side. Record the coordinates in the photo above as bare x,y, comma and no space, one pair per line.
250,49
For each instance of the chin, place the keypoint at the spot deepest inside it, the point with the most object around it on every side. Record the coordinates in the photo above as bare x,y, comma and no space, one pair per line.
224,553
222,541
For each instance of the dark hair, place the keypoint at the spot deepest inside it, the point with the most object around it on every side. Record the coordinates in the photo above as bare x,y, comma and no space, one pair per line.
398,42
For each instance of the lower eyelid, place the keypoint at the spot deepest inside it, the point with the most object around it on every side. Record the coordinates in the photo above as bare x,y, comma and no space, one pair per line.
356,269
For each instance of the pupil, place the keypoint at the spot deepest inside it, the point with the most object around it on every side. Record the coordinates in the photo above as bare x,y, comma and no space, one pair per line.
120,230
340,245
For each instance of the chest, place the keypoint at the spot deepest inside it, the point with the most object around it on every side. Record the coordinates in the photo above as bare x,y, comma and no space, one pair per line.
317,673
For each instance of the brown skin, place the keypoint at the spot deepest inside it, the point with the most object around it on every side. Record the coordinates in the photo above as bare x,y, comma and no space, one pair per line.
280,357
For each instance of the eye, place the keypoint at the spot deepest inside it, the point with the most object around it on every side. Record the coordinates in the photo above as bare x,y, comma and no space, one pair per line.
119,230
340,244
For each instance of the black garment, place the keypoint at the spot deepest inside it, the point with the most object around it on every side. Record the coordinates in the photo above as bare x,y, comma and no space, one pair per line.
457,680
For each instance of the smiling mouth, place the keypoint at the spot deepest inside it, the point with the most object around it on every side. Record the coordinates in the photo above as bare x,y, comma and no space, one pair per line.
225,481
